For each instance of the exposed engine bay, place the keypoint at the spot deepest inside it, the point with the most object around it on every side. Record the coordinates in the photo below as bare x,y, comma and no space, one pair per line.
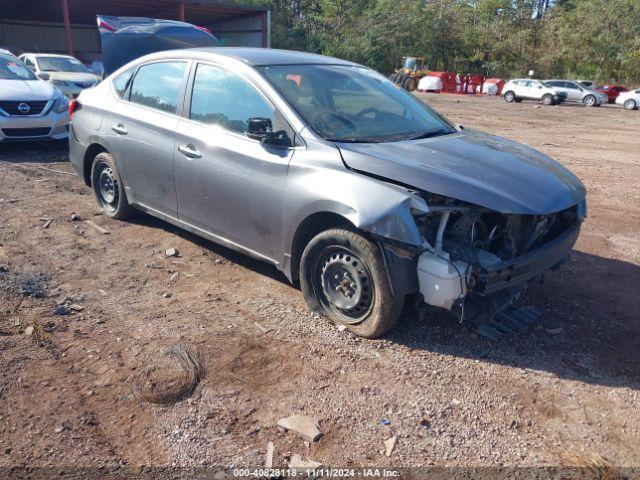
475,257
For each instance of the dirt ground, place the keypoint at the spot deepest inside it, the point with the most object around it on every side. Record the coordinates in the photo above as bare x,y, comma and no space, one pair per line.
92,326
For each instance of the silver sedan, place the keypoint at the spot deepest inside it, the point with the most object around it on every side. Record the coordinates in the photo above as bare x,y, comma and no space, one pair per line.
352,187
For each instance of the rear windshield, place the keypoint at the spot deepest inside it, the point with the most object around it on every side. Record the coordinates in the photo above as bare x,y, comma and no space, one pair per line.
13,69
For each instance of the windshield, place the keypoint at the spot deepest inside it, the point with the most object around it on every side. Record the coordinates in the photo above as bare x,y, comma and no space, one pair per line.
410,63
61,64
13,69
354,104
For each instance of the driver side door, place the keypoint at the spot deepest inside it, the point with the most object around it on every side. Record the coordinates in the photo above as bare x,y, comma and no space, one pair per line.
227,184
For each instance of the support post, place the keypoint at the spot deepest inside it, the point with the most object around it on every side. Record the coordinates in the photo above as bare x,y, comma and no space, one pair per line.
181,15
264,30
67,25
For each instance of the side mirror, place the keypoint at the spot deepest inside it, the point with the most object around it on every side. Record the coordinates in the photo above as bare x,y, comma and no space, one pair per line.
259,128
44,76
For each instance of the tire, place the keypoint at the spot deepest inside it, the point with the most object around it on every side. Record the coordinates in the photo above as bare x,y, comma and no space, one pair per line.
510,97
343,277
410,84
393,77
108,189
630,104
547,99
589,101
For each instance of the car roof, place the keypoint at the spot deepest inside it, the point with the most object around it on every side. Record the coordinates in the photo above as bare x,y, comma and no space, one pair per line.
48,55
258,56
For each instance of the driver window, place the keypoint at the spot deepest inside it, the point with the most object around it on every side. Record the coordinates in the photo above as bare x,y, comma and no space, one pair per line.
226,99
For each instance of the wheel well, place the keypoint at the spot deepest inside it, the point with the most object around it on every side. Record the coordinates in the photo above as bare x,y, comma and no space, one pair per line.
93,150
309,228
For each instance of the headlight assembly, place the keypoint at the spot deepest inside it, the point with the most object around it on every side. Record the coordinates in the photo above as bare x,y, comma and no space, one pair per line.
61,104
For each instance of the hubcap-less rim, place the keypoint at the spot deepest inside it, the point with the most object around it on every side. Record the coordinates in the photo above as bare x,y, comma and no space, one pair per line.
346,284
591,101
108,187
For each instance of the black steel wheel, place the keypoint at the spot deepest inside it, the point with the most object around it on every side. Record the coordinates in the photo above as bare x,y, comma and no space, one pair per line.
343,277
108,188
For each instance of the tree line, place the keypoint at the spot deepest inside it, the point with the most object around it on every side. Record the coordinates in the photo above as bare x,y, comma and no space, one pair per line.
586,39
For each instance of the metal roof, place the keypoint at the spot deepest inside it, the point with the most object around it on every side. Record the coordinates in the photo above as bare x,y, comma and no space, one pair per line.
199,12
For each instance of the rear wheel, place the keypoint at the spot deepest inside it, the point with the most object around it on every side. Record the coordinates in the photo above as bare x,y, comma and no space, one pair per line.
410,84
547,99
108,188
589,101
510,97
630,104
343,277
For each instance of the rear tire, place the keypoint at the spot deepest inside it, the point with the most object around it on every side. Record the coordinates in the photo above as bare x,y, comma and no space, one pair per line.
510,97
343,277
630,104
108,188
547,99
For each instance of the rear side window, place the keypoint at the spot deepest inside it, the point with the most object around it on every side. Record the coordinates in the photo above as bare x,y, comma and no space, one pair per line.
121,82
158,85
226,99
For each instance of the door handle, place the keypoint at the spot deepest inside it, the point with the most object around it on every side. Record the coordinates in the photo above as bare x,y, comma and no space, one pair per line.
119,129
189,151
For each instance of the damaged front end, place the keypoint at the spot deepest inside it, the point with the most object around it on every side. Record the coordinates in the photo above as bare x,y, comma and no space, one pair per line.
475,262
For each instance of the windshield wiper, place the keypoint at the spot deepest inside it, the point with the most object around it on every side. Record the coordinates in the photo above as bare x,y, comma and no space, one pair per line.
429,134
351,140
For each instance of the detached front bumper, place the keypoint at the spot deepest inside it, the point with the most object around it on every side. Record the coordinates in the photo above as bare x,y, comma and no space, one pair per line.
54,126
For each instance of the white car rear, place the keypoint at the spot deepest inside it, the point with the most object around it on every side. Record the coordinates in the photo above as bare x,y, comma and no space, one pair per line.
630,100
30,109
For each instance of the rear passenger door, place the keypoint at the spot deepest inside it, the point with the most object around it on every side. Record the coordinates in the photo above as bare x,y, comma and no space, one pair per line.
141,131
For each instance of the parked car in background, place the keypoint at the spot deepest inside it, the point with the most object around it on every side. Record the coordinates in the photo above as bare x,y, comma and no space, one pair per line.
530,89
588,84
630,100
325,169
578,93
67,73
612,91
30,108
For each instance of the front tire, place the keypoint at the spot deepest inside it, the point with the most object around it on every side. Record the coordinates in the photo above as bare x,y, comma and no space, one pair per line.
410,84
630,104
589,101
108,188
510,97
343,277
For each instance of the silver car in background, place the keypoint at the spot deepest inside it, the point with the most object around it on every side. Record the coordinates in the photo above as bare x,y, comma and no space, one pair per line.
67,73
578,93
30,108
350,186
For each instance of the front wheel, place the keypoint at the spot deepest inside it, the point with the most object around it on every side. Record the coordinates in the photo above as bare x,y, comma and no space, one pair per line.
343,277
108,188
630,104
410,84
589,101
510,97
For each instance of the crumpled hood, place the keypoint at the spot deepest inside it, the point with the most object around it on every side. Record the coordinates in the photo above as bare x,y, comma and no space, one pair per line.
22,90
474,167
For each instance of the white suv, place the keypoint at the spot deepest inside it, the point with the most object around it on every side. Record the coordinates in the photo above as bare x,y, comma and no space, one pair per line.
530,89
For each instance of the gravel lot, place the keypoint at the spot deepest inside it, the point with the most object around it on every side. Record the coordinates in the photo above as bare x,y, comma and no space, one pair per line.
88,321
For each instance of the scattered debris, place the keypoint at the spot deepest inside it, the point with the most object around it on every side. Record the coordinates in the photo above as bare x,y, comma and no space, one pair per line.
171,252
74,217
342,328
261,328
76,308
554,330
62,310
97,227
390,445
385,421
455,402
56,171
268,460
28,330
47,223
304,425
174,277
4,268
297,462
425,423
166,295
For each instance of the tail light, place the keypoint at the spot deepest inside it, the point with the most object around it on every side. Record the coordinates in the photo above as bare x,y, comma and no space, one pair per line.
73,106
